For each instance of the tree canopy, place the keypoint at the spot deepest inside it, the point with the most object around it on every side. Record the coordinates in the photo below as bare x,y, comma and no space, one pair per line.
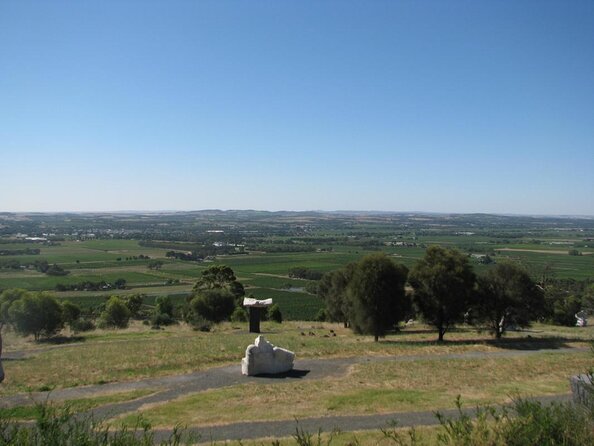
506,296
219,277
215,305
332,288
443,284
37,314
376,292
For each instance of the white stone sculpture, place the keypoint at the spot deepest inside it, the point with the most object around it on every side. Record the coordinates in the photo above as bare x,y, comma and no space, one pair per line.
262,357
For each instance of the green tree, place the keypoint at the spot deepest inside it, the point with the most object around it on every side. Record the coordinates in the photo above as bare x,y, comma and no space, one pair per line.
332,289
134,304
164,305
215,305
7,298
376,291
116,313
36,314
163,313
565,309
120,284
219,277
507,296
443,283
70,312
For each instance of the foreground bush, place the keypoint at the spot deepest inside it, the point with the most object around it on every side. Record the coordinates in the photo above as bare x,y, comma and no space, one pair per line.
526,423
60,426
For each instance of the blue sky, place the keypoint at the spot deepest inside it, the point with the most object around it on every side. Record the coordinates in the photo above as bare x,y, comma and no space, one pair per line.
457,106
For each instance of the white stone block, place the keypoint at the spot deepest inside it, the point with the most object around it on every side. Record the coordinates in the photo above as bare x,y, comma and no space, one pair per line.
262,357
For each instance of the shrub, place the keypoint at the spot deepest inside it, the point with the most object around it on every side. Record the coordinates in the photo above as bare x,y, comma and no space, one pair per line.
163,305
134,303
61,426
239,315
529,423
199,323
70,312
214,305
81,324
274,313
162,319
564,310
115,315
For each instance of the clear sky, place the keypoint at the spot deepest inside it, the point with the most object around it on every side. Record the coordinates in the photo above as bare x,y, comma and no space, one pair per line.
445,106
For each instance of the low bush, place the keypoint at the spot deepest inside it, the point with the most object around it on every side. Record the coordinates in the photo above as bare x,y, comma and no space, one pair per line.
239,315
60,426
81,324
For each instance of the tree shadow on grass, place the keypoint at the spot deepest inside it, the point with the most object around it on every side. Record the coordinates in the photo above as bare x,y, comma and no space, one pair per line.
523,343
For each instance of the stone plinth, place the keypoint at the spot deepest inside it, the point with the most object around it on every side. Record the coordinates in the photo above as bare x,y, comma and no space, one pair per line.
264,358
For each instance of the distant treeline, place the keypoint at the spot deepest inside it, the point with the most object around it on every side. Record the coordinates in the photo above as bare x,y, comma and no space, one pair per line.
170,245
283,248
39,265
87,285
188,256
301,272
198,251
20,252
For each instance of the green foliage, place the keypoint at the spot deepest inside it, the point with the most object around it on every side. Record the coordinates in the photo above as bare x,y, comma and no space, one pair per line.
70,312
443,282
159,319
134,304
155,264
164,305
506,295
321,315
198,322
332,288
36,314
61,426
215,305
120,283
7,298
564,310
274,313
219,277
529,423
82,324
239,315
116,314
376,292
301,272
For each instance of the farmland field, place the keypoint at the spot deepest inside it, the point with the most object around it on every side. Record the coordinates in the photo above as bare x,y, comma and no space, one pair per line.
262,248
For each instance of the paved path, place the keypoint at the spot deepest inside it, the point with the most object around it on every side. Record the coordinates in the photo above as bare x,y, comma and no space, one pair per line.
262,429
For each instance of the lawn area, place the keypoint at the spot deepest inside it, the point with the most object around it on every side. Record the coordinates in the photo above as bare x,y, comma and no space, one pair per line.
374,388
139,352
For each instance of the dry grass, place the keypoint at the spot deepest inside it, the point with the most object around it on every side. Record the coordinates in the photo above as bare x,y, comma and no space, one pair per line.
380,387
139,352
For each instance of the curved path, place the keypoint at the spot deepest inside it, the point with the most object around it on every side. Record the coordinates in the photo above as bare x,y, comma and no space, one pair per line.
287,428
170,387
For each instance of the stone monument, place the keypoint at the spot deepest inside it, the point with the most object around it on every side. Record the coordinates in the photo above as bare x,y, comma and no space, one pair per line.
262,357
255,307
